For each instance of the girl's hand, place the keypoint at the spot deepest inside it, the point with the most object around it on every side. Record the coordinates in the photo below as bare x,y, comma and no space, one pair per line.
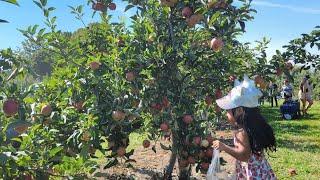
218,145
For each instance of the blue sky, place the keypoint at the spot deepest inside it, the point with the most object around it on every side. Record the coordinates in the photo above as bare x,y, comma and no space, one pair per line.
280,20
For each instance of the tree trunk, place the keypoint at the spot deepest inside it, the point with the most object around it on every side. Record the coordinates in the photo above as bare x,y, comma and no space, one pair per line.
173,158
185,173
170,166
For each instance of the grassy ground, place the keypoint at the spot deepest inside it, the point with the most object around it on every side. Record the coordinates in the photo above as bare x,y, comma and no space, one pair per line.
298,144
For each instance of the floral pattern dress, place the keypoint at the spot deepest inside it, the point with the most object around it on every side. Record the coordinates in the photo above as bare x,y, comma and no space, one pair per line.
257,168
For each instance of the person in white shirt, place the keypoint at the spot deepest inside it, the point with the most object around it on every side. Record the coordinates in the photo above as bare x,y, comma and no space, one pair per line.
287,90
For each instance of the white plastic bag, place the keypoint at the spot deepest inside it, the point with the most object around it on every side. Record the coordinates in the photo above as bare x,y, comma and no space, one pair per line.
214,167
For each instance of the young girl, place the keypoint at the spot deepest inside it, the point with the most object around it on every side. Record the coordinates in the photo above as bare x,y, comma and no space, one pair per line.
253,137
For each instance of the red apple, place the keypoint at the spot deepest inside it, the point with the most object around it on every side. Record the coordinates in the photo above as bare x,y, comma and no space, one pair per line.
216,44
10,107
197,140
258,79
78,105
191,160
165,102
204,165
146,143
187,119
186,12
28,177
183,163
118,115
194,19
121,151
94,65
156,106
209,152
164,127
218,94
112,6
130,76
208,100
279,72
46,110
99,6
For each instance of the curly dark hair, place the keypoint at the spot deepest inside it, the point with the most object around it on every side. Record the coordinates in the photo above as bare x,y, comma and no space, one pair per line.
260,133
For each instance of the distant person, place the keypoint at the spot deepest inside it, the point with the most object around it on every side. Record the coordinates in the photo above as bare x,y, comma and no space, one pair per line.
273,92
305,94
290,109
287,90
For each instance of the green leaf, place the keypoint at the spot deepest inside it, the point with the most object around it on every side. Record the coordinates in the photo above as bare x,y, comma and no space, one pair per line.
11,1
54,151
3,159
46,13
111,163
3,21
38,4
72,8
129,153
130,161
214,18
165,147
34,29
79,9
51,8
41,32
128,7
154,149
43,2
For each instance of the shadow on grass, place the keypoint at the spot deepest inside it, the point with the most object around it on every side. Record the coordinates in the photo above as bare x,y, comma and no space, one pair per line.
298,146
293,129
271,113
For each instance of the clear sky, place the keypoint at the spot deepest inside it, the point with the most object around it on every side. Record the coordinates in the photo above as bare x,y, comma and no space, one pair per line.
280,20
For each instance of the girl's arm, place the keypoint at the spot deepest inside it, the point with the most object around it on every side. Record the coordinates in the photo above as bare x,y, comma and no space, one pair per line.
241,151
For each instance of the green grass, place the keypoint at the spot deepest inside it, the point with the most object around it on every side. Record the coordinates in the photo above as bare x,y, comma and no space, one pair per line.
298,143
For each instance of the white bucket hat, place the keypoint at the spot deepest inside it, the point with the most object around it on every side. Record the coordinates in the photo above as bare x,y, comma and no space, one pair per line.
244,94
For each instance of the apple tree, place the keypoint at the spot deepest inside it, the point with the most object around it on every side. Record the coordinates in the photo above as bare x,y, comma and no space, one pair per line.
83,109
181,53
